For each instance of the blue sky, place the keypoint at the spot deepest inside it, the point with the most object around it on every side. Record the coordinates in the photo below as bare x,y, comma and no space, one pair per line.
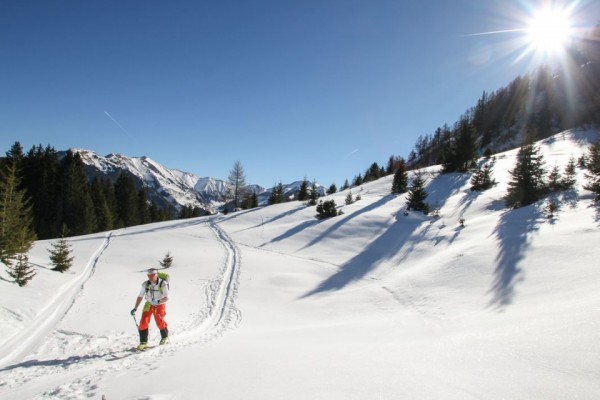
320,89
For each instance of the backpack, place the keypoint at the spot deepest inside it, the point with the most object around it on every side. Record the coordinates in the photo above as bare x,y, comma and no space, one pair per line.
163,279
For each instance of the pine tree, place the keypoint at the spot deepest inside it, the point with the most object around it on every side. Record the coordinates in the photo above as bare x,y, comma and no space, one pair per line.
593,174
60,255
104,217
349,198
527,184
75,207
303,193
417,195
332,189
276,196
326,209
554,179
16,232
482,179
400,182
167,261
22,272
569,179
126,202
40,180
314,194
463,149
345,186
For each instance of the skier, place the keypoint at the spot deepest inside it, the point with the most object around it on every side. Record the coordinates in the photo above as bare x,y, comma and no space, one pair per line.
156,292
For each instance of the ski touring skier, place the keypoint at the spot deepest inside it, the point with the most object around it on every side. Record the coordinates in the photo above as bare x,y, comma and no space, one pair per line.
156,292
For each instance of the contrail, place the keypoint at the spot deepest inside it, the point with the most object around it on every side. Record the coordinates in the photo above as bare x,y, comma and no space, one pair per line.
495,32
352,152
116,122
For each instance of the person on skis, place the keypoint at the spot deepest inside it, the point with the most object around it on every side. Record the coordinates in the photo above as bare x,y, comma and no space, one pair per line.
156,292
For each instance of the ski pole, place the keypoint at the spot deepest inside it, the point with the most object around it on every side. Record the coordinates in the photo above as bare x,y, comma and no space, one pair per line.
135,320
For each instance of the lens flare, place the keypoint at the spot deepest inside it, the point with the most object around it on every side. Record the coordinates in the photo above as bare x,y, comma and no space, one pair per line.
549,30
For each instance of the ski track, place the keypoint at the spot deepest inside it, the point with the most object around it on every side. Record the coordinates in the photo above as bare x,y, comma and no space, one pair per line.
86,358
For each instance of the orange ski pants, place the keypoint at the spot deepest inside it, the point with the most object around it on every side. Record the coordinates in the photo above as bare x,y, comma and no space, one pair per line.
158,312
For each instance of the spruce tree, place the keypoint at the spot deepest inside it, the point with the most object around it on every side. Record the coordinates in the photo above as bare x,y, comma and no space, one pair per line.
569,179
276,196
60,255
22,272
126,202
326,209
303,193
349,200
554,179
462,151
104,217
75,207
593,174
400,182
482,179
332,189
417,195
314,194
167,261
527,184
16,232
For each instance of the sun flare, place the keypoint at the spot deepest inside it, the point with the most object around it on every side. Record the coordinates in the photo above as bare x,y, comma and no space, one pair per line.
549,30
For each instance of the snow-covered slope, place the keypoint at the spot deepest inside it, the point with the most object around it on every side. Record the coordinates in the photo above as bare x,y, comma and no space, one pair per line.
271,303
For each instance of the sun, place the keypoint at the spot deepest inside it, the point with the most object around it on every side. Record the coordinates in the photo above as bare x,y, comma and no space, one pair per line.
549,30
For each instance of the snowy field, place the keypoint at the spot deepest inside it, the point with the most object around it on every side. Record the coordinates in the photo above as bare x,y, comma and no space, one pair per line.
271,303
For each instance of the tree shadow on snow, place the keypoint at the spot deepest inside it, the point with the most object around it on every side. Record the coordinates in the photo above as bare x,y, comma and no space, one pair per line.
385,247
513,233
345,219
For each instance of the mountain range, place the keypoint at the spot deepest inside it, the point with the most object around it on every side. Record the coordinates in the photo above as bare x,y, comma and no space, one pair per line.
172,188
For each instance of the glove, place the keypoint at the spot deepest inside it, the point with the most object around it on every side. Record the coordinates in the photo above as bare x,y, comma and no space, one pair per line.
133,311
155,302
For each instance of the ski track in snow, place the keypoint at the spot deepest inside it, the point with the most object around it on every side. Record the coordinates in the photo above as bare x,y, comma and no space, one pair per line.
86,358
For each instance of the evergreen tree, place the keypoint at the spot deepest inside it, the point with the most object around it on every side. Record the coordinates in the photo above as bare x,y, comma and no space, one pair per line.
593,174
358,180
482,179
276,196
22,272
326,209
527,184
16,232
126,202
60,255
303,193
40,180
345,186
332,189
75,207
104,217
569,179
400,182
349,198
554,179
143,207
463,149
417,195
314,194
167,261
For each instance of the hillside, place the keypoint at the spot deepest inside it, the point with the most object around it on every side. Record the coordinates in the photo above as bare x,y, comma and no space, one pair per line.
376,303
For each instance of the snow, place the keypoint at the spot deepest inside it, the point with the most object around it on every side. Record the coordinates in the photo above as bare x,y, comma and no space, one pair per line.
272,303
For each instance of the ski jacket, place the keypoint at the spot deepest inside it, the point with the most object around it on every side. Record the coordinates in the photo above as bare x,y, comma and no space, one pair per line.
154,291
